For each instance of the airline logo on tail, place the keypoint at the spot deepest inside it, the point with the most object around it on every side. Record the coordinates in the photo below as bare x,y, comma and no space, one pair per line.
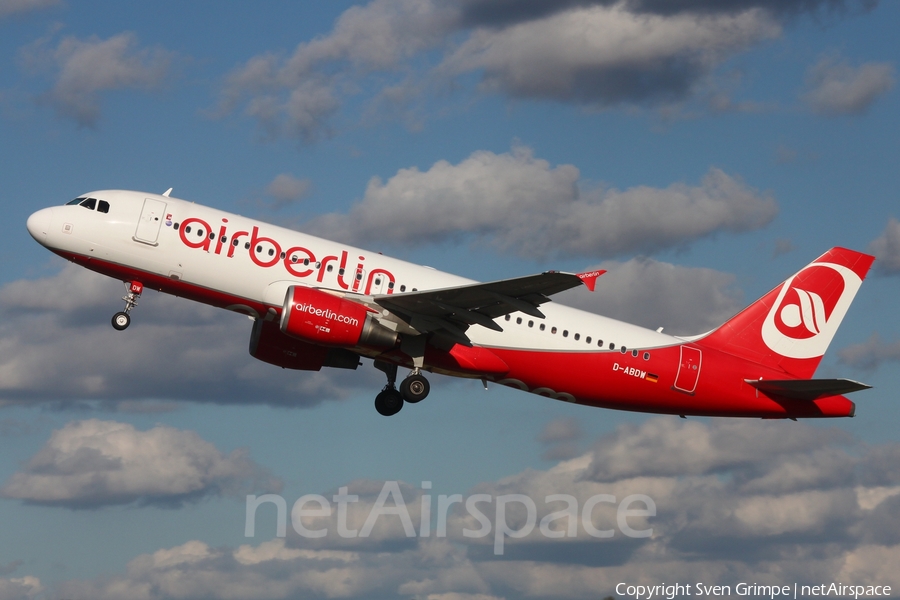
808,310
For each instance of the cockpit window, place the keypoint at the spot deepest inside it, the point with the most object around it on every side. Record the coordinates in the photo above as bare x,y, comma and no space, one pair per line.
103,206
89,203
74,202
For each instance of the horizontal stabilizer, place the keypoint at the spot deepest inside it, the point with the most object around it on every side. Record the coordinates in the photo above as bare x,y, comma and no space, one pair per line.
806,389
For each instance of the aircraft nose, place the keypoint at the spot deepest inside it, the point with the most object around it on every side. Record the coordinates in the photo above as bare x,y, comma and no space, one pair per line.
39,224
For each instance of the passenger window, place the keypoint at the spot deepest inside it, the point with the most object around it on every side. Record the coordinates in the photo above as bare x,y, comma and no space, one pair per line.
89,203
518,320
600,343
634,353
103,206
587,340
187,229
612,346
553,330
543,327
646,356
531,323
507,317
565,333
402,287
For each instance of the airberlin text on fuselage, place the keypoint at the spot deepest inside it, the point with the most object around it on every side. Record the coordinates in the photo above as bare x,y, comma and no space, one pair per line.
298,261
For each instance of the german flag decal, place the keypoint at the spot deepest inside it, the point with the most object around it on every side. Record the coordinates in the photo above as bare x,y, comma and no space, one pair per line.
651,377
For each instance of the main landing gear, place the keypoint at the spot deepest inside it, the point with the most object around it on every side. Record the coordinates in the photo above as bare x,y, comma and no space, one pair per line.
121,320
413,389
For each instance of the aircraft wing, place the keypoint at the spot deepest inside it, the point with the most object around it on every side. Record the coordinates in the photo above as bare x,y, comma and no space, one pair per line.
450,311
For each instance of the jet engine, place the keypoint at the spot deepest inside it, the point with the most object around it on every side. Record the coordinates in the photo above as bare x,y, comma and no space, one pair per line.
324,319
269,344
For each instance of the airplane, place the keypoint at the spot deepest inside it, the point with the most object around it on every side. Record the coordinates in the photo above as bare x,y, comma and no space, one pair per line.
317,303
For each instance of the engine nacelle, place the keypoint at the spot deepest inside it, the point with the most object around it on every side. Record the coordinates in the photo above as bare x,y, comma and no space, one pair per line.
314,316
269,344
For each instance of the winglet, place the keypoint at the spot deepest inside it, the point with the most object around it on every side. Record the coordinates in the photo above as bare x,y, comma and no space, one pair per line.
590,278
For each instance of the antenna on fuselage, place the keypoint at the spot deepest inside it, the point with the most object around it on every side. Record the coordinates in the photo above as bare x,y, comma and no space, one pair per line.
167,192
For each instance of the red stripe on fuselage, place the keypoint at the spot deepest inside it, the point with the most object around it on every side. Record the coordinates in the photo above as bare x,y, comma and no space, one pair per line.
619,381
607,379
175,287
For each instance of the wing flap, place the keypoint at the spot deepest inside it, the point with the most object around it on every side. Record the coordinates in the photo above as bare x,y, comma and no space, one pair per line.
807,389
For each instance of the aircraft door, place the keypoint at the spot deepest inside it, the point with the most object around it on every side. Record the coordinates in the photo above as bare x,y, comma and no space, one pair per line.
688,370
150,221
379,282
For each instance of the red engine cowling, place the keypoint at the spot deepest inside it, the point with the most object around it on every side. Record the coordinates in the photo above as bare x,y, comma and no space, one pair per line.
269,344
314,316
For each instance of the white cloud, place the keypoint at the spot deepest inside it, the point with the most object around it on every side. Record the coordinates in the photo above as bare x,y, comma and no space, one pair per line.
84,69
646,292
174,350
834,87
272,570
560,437
869,355
524,206
619,57
296,96
886,248
394,56
665,447
20,588
561,430
93,463
286,188
736,501
12,7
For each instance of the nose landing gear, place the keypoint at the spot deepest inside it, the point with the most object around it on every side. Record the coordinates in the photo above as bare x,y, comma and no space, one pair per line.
121,320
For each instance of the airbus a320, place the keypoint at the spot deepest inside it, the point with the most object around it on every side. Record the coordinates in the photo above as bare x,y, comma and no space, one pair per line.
317,303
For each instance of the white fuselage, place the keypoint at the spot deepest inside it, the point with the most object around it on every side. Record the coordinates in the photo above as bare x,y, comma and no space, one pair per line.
180,248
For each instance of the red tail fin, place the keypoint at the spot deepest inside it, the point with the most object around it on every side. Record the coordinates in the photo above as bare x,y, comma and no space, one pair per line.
791,326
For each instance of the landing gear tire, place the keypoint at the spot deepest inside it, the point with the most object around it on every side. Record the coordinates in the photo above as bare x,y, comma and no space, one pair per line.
414,388
388,402
121,321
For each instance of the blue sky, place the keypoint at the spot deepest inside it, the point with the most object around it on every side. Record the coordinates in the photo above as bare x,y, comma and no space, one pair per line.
700,151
